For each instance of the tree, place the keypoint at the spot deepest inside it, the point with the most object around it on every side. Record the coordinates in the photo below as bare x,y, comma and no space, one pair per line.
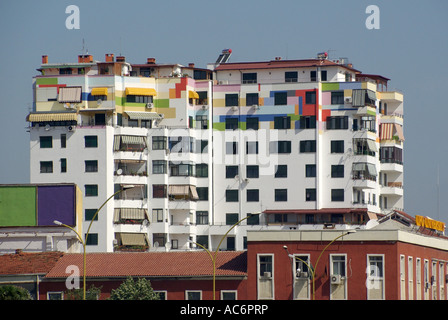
77,294
10,292
134,290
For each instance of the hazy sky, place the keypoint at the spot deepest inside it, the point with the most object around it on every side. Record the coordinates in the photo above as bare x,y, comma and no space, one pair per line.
409,48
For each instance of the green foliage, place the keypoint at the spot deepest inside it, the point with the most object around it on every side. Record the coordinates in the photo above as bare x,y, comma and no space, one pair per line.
77,294
10,292
134,290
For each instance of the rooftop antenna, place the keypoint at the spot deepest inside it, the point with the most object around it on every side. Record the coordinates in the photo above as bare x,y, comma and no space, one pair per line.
84,49
438,195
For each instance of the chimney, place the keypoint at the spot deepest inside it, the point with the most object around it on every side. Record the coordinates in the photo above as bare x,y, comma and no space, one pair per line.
44,59
85,58
191,65
121,59
109,57
151,60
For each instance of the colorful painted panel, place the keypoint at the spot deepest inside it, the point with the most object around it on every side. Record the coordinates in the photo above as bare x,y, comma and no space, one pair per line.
56,203
17,206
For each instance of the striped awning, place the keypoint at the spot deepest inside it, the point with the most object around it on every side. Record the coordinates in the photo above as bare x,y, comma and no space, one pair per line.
365,167
178,190
49,117
132,239
99,92
140,92
134,140
389,130
143,115
130,214
69,94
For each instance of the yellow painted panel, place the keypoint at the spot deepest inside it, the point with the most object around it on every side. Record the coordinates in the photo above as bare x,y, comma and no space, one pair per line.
169,113
172,94
219,102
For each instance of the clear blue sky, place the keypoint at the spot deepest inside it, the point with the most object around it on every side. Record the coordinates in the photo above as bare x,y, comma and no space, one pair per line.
409,48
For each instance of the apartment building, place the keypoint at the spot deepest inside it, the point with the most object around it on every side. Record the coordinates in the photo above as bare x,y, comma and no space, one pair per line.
283,144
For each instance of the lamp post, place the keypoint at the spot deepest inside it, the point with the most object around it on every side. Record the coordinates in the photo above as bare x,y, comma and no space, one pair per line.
84,242
214,255
313,270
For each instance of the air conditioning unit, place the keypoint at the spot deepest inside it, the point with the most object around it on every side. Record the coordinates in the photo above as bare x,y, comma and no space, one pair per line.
256,107
71,128
204,107
302,274
267,275
149,105
348,99
234,108
335,279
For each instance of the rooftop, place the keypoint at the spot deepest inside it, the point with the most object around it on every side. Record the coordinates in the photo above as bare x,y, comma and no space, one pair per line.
28,263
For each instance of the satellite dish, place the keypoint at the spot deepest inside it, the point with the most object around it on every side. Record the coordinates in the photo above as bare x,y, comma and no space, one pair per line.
156,244
119,172
47,127
99,101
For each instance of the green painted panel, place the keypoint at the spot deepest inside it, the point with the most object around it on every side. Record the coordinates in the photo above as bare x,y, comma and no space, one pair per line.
47,81
18,206
221,126
162,103
330,86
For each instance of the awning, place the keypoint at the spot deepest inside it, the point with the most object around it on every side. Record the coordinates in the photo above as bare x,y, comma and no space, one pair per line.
193,95
371,169
99,92
143,115
359,167
48,117
399,130
194,193
178,190
129,214
140,92
133,140
69,94
133,239
388,130
372,145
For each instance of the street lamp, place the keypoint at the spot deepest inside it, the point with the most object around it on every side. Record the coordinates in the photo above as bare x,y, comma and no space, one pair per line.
214,255
84,242
313,270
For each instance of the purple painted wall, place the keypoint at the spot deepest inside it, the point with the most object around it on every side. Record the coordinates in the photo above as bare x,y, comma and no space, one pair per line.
56,203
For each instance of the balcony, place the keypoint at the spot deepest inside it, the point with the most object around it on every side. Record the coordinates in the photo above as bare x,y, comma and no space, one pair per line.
391,96
391,166
180,204
392,189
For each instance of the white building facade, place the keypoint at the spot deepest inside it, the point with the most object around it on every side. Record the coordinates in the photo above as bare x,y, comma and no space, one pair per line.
284,144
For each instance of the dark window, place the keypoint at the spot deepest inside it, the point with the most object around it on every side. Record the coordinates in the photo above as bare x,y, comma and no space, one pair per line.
323,75
281,171
313,76
337,146
46,142
254,219
281,194
284,146
231,172
202,193
280,98
158,143
231,123
337,122
139,99
202,170
46,167
308,122
282,122
310,194
232,147
63,140
201,122
231,195
91,141
231,218
253,195
231,99
89,213
252,171
159,191
252,123
391,155
251,99
337,194
308,146
337,97
250,77
91,239
91,190
63,165
291,76
159,167
65,71
200,75
100,119
310,97
337,171
201,217
91,165
251,147
310,170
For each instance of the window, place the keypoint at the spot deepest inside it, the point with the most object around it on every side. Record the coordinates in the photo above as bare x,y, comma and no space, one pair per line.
199,74
55,295
231,100
310,194
280,147
91,141
281,194
265,265
89,213
307,146
202,193
139,99
231,172
63,165
46,142
252,147
337,171
313,76
228,295
291,76
46,167
185,169
337,122
337,97
193,295
323,75
159,167
252,171
310,97
231,218
91,165
253,195
249,77
310,170
232,147
63,140
254,219
391,155
182,144
159,191
251,99
337,194
231,195
158,143
201,217
91,239
202,170
231,123
282,122
338,265
65,71
201,122
308,122
280,98
337,146
281,171
252,123
157,215
91,190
